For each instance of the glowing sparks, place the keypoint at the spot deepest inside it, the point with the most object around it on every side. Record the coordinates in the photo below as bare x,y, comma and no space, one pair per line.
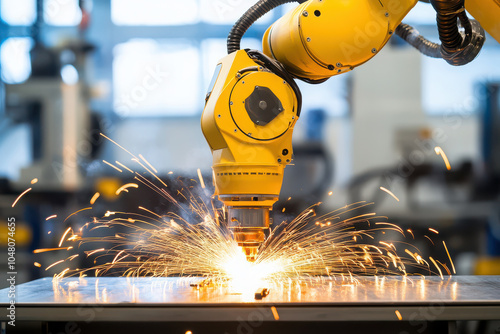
19,197
398,314
439,151
247,276
43,250
54,264
94,198
95,251
296,249
111,140
201,179
275,313
435,264
51,217
109,213
147,163
37,264
433,230
330,193
452,265
411,232
74,213
113,166
432,242
117,255
149,211
396,227
61,274
124,167
387,244
35,180
190,241
390,193
64,236
125,188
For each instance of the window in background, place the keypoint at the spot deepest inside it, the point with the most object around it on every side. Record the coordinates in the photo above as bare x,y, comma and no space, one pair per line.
18,12
157,78
154,12
62,12
15,59
228,11
450,89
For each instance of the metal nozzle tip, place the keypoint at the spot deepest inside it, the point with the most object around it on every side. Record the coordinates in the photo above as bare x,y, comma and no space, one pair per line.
250,253
248,225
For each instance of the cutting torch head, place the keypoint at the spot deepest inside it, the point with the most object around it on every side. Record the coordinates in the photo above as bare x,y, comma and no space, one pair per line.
249,226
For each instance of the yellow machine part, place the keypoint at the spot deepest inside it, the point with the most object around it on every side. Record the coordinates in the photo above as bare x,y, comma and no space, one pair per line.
487,13
319,39
248,158
107,186
487,266
23,234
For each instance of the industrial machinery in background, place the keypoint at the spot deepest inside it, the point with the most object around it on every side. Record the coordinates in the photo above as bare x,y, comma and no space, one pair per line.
54,101
64,135
253,102
464,201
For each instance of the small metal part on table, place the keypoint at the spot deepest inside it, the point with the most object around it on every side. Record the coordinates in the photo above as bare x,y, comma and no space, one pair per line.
261,293
202,284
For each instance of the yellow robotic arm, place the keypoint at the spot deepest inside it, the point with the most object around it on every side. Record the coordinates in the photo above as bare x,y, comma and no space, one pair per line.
253,102
319,39
251,109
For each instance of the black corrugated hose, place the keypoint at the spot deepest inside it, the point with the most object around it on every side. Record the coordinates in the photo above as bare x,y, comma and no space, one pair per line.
457,48
413,37
447,15
253,14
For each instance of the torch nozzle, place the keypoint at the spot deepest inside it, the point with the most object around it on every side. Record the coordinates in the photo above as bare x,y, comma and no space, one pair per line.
248,225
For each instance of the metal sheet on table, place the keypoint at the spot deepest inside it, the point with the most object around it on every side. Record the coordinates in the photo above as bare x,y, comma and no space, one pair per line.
364,300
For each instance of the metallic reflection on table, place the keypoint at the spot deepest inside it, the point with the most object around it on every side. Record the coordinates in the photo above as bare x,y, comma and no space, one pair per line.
313,296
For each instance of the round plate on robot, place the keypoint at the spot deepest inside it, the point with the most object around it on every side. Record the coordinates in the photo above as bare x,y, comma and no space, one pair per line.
262,105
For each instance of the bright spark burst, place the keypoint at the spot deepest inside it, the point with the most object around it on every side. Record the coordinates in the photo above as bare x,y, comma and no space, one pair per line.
344,243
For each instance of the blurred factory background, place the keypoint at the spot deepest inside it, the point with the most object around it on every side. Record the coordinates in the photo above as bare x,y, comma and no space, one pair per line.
137,71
